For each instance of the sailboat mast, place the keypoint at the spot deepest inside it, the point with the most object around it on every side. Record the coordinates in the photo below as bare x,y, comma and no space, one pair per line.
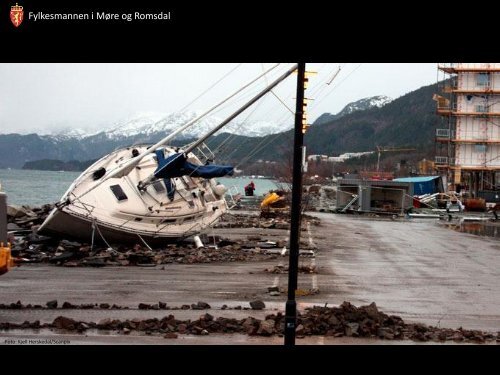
173,162
291,304
242,109
125,168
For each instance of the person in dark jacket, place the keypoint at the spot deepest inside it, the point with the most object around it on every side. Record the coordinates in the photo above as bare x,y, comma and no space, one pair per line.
249,189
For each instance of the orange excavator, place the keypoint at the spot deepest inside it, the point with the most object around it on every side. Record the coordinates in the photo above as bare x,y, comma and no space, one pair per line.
6,261
275,199
274,204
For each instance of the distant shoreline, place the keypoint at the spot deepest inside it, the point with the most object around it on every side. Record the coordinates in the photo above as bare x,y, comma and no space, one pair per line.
58,165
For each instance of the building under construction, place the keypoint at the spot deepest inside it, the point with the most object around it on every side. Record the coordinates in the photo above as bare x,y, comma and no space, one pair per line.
468,136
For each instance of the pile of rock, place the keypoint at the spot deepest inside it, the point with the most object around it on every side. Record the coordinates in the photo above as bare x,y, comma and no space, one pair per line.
345,320
302,268
30,247
53,304
25,217
321,198
279,220
368,321
74,254
232,220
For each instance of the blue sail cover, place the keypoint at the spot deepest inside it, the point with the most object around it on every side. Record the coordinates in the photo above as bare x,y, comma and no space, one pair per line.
176,165
170,188
168,182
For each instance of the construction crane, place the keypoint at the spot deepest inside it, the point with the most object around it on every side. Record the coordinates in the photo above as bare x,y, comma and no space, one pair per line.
390,149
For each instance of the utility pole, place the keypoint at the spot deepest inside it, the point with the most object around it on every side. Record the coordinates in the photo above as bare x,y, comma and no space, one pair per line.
300,127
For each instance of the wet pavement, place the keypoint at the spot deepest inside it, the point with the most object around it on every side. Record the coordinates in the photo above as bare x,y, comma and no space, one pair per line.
414,269
489,229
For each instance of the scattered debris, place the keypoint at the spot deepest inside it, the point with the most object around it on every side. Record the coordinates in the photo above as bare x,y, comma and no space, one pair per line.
273,289
62,322
321,198
200,306
306,292
277,221
29,247
304,268
345,320
257,305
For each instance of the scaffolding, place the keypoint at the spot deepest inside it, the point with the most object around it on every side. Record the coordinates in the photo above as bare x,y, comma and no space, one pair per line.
468,135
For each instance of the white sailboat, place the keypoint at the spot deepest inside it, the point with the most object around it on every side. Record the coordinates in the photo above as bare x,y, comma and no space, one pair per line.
152,194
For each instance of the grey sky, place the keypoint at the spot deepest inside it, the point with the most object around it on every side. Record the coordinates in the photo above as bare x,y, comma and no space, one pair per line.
42,97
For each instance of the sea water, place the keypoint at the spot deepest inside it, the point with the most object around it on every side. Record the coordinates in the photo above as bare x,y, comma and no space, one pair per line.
35,188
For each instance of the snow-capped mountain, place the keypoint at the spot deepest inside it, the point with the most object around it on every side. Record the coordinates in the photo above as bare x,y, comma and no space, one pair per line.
148,125
359,105
67,133
364,104
262,128
130,128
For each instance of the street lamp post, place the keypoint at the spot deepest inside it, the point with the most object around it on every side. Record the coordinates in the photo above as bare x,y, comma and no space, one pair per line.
291,304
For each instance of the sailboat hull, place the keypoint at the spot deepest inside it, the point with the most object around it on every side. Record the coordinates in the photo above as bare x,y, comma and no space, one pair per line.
116,211
65,225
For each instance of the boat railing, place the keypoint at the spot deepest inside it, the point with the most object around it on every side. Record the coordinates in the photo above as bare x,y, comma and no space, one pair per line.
234,197
204,153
